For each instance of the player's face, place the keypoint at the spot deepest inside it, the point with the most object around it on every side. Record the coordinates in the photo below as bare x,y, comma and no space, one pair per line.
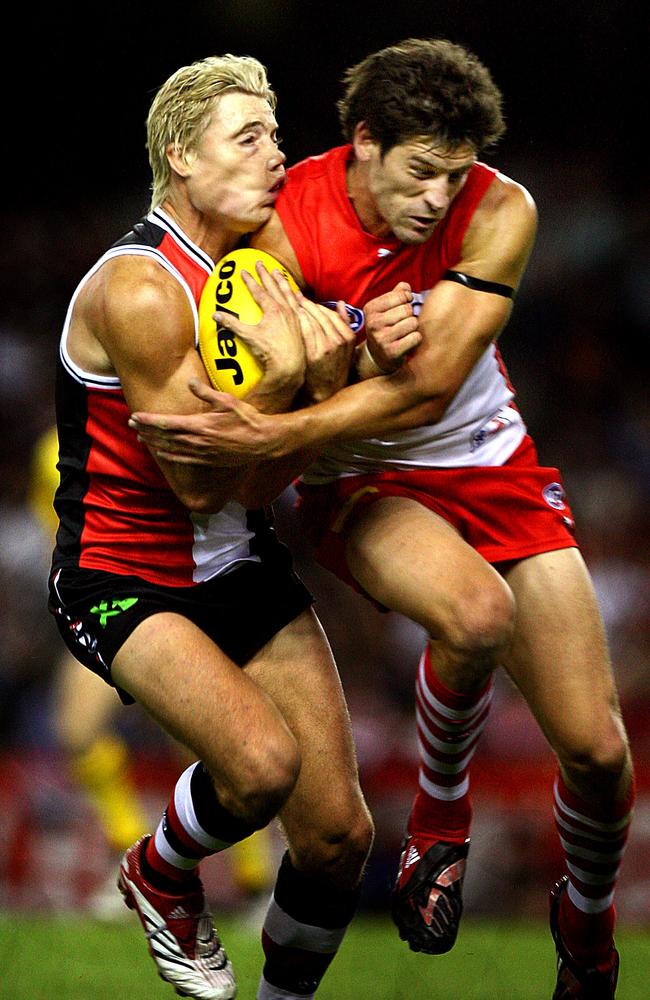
237,169
414,183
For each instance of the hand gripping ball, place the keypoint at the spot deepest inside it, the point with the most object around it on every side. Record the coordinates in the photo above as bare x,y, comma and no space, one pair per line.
230,364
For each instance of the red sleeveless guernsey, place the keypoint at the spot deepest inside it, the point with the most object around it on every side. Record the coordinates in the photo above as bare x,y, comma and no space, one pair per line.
340,260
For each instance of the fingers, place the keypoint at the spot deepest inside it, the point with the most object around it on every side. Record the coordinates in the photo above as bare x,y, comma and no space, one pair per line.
270,286
292,297
218,400
331,323
342,312
384,316
178,459
406,344
400,296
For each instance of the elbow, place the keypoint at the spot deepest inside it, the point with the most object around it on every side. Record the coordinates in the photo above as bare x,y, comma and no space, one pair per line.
434,409
427,410
201,503
197,505
422,401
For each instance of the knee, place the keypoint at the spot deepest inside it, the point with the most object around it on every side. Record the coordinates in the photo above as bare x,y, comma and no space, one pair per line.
600,760
482,623
339,850
263,781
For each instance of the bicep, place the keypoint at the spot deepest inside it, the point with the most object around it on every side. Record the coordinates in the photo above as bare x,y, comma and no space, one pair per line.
150,341
153,351
457,322
457,326
501,235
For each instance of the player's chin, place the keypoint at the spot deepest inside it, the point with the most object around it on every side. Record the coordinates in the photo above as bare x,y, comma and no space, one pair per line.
254,220
263,213
412,234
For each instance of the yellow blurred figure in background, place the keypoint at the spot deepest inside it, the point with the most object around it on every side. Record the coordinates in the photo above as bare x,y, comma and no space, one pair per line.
84,706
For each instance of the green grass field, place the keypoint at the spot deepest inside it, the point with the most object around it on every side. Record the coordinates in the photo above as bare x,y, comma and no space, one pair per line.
45,958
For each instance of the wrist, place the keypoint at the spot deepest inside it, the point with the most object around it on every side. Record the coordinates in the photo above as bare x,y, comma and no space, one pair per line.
294,431
275,392
366,365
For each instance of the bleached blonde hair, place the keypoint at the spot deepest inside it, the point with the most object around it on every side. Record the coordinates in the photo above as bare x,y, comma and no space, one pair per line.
181,110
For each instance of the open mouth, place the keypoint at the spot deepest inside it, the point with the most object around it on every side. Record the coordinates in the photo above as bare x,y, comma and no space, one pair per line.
424,222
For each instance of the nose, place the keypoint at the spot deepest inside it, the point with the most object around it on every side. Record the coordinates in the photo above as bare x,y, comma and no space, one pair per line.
277,158
438,193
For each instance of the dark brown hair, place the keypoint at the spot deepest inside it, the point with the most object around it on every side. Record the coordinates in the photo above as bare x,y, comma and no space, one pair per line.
422,87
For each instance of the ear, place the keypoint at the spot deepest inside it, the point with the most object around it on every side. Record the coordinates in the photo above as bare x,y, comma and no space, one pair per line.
363,142
181,163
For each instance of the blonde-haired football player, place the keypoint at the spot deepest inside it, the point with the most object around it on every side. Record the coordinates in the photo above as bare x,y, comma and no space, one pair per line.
172,587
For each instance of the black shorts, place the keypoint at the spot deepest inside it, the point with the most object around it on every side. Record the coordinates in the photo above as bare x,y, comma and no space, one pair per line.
240,610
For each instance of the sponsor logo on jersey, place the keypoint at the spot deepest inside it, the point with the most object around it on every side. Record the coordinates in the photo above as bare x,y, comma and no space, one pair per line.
356,317
385,252
554,496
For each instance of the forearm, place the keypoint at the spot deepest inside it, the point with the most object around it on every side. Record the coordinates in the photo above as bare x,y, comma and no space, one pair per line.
274,395
370,408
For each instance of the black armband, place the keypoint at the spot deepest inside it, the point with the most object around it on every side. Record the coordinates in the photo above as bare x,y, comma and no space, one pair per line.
478,284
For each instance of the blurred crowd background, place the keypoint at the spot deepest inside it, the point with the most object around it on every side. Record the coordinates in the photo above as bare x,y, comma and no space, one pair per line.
575,81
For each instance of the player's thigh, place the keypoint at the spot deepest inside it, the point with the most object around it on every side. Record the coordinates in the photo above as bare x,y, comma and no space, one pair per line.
297,670
414,562
202,698
559,657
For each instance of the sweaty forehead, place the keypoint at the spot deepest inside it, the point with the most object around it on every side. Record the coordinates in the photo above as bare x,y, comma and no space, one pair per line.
440,154
235,110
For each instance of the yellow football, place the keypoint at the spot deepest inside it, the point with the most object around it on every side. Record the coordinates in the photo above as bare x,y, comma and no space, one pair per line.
229,363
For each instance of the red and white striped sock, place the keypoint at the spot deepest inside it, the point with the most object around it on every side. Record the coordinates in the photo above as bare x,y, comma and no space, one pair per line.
194,826
593,841
449,725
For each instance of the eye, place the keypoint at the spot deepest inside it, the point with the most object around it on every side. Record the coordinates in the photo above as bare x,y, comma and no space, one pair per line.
424,173
457,176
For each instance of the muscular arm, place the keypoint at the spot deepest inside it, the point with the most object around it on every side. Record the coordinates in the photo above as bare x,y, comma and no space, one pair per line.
457,324
136,322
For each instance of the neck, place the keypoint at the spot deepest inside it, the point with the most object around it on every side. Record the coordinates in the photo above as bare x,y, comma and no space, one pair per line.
207,234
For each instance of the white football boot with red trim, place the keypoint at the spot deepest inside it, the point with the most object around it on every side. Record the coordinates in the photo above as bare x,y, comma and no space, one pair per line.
180,933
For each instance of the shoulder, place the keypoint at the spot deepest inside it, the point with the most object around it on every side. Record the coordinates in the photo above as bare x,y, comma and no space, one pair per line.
273,238
313,168
129,285
313,179
131,297
502,231
509,213
506,199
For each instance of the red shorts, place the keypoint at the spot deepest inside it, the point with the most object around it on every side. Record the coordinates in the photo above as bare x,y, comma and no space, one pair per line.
505,512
